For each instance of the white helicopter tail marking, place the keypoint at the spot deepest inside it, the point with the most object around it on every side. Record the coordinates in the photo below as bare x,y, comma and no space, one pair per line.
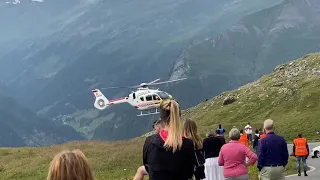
101,102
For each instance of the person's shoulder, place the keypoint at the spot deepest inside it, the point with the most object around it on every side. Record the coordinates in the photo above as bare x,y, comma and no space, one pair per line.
187,144
187,141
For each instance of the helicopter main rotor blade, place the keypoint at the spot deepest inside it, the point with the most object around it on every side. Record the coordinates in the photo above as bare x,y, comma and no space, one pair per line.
164,82
154,81
116,87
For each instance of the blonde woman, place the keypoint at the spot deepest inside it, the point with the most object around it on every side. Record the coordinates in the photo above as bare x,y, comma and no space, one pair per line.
191,132
70,165
168,155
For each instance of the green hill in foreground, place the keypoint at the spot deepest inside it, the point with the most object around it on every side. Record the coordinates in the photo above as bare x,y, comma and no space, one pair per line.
290,95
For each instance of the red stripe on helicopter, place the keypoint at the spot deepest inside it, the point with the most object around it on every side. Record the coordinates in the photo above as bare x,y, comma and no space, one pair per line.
118,99
144,105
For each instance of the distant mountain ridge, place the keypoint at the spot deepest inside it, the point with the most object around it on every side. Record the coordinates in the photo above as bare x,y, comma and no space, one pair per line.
220,45
21,127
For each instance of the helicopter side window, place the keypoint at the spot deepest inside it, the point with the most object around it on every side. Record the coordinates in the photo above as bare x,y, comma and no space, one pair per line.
149,98
134,95
142,98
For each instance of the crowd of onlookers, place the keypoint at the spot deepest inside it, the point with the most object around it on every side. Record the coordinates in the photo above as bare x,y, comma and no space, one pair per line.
177,152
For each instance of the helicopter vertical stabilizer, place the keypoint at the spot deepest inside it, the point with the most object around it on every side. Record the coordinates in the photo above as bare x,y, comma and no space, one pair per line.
101,101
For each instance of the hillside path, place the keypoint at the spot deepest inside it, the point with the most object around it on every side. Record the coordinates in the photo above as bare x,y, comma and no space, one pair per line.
314,172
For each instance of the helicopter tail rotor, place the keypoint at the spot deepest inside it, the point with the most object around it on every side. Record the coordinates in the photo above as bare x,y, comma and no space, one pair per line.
101,102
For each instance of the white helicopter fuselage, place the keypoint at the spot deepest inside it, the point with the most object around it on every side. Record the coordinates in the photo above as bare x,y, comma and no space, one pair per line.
142,99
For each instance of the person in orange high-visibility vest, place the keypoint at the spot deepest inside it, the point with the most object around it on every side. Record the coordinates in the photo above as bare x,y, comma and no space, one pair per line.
301,152
243,138
263,136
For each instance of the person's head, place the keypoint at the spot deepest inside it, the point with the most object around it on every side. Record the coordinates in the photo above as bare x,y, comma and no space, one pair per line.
241,131
300,135
268,125
212,133
159,125
70,165
191,131
257,131
260,130
219,126
234,134
248,123
170,113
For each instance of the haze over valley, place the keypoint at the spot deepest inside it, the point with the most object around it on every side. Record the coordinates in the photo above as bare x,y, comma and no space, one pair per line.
54,52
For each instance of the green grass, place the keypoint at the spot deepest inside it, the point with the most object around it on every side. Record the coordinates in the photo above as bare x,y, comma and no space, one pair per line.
294,106
110,160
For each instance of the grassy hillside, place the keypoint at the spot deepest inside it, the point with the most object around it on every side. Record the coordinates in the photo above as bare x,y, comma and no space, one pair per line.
290,95
110,160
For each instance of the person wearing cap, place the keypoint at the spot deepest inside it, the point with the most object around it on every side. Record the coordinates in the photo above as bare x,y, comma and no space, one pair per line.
301,152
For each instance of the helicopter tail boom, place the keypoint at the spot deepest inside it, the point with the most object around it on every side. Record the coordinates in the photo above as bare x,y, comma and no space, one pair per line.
101,102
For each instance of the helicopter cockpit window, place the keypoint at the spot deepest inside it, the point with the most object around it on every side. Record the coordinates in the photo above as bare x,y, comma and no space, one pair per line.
155,97
142,98
163,95
149,98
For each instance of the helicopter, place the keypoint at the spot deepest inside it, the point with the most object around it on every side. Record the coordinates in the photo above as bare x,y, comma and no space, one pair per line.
143,99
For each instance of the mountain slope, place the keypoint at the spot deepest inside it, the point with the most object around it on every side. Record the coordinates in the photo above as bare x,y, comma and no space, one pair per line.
289,95
22,127
219,45
108,44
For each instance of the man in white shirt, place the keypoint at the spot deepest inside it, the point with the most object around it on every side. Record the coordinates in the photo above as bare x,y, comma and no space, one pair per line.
248,131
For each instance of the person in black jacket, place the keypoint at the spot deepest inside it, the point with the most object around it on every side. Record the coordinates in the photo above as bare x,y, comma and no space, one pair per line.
211,148
191,132
256,141
168,155
157,126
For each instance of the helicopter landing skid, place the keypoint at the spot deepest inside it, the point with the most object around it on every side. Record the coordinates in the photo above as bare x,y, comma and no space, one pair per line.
148,113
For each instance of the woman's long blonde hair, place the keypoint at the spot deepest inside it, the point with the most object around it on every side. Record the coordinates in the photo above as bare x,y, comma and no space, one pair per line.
191,132
174,123
70,165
